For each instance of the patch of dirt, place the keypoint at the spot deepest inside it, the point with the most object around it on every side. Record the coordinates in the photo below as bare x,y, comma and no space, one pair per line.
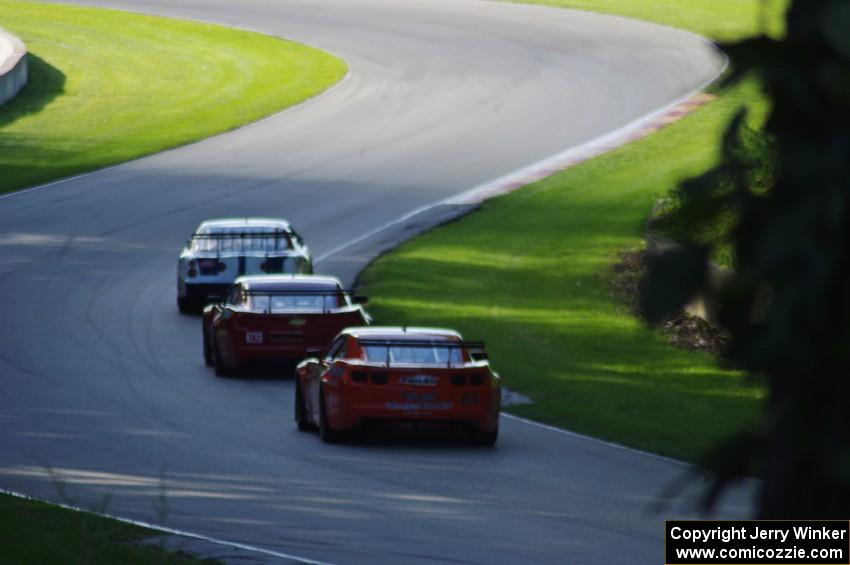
682,330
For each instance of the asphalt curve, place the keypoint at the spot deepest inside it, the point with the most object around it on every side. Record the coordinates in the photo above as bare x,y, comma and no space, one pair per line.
103,392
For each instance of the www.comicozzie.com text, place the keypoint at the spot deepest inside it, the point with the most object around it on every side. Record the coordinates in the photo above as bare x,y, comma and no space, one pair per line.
727,534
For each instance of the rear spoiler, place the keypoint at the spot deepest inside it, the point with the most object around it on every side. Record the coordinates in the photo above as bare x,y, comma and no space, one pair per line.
306,292
238,234
356,299
474,348
277,234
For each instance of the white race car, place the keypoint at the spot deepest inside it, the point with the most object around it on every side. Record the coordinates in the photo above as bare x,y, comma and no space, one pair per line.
221,250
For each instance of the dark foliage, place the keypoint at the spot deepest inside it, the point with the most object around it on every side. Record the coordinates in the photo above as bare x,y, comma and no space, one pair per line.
786,309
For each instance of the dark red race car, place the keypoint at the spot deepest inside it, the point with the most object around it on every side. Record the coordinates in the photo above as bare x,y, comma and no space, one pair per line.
277,317
408,376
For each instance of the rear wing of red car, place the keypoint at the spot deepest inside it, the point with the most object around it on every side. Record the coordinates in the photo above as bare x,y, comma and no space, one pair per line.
307,293
475,349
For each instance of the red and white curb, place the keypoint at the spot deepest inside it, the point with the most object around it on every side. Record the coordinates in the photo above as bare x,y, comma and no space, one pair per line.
634,131
594,148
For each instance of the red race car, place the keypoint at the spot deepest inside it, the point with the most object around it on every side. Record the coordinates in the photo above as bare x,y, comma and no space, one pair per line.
277,317
401,375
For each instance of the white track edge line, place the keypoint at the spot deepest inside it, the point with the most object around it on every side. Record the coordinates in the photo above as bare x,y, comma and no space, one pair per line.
168,530
636,124
537,167
379,229
595,440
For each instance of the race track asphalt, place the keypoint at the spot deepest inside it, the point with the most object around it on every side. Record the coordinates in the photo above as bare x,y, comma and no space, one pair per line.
103,390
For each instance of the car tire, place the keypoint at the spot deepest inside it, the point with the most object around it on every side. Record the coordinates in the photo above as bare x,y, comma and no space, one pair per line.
485,439
328,434
208,356
304,424
220,369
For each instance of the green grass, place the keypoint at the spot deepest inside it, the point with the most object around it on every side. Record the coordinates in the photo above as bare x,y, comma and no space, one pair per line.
34,532
721,20
108,86
530,274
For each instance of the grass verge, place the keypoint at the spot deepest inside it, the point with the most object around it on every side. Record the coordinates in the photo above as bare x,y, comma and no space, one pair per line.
721,20
34,532
530,273
108,86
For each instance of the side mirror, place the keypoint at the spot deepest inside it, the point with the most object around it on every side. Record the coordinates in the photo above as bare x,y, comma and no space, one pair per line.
359,299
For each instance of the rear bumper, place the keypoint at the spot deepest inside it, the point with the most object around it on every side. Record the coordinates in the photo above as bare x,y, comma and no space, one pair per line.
348,407
200,293
283,352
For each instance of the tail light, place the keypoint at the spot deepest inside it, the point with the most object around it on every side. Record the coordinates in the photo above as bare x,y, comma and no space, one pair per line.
458,379
477,379
359,376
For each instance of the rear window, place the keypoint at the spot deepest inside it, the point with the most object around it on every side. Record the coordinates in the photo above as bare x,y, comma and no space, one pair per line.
241,240
419,355
291,303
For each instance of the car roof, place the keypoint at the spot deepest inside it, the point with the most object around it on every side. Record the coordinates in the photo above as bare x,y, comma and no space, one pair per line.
402,332
243,223
289,282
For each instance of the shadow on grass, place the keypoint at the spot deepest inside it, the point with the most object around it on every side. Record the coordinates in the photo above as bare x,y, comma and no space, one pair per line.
587,365
45,84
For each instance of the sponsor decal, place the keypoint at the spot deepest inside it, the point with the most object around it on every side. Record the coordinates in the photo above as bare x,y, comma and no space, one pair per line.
297,322
419,405
209,266
419,380
254,337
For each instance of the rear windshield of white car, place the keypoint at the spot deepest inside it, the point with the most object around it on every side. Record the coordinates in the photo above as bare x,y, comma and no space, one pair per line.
241,240
296,303
435,355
